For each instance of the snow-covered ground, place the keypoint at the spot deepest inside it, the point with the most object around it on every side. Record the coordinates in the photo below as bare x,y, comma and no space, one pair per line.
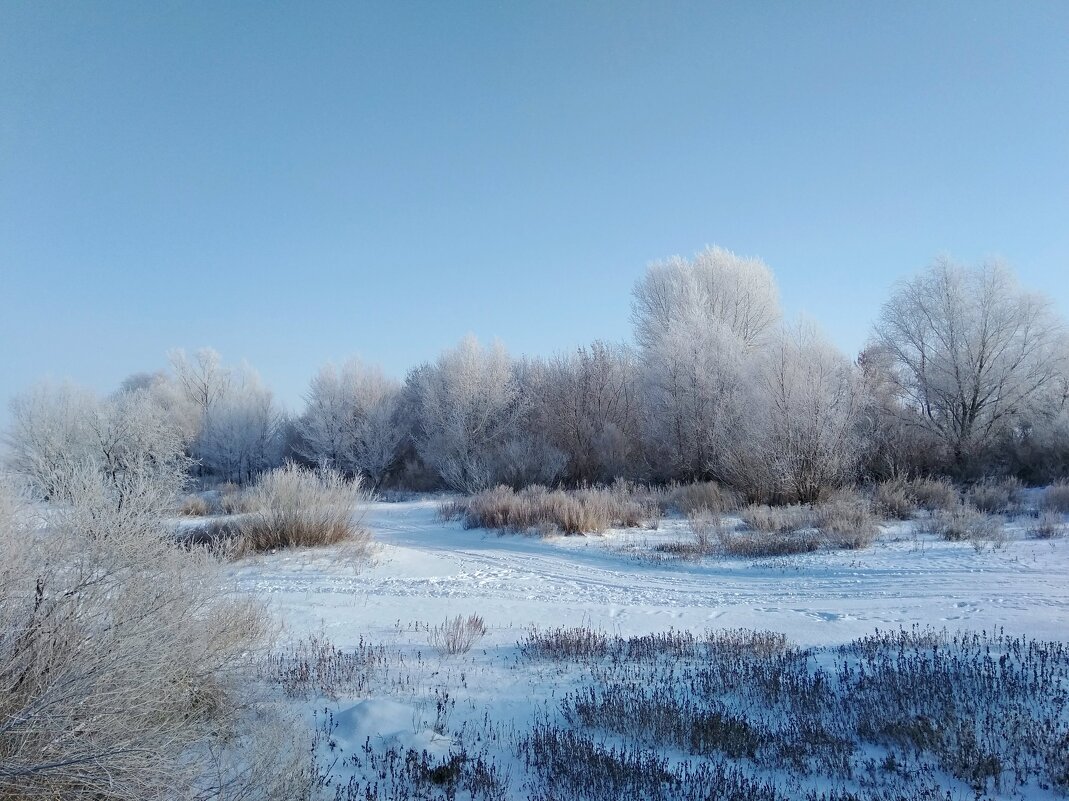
483,703
426,570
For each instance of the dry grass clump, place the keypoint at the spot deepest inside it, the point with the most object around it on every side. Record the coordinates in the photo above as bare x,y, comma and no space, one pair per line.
1056,498
914,710
933,494
1048,526
996,496
894,499
758,644
458,634
565,644
194,506
755,544
845,521
452,510
706,529
967,524
293,508
536,508
125,662
315,666
233,500
702,496
777,519
771,531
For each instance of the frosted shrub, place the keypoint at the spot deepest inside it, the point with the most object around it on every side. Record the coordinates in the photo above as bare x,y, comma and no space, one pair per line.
458,634
707,531
1049,526
846,522
195,506
966,523
894,499
752,544
776,519
293,507
934,494
988,533
233,500
125,663
536,508
996,497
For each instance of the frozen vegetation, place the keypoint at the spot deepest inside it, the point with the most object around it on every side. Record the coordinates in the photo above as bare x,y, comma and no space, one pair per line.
725,562
607,669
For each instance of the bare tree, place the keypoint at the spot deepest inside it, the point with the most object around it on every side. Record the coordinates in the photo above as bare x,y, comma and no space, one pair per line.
241,433
202,378
233,425
128,439
700,382
586,404
972,352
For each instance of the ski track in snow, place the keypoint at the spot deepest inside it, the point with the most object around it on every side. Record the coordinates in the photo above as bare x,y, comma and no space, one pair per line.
426,570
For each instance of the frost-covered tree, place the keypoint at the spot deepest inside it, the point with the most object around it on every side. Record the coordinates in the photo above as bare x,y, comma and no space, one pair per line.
351,421
737,293
699,387
972,353
1037,447
813,395
233,425
701,325
465,408
50,427
127,439
202,378
241,433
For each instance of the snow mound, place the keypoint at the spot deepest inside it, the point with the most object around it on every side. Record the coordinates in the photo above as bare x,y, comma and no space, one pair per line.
388,722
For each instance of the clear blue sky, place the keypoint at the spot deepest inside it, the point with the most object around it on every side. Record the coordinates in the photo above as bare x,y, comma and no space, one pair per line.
297,182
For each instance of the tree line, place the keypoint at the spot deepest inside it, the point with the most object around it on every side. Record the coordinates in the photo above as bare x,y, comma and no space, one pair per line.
965,374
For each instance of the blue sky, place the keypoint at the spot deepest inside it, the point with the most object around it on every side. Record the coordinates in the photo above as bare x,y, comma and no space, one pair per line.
292,183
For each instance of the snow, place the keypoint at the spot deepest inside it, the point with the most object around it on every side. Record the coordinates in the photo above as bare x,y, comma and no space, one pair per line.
424,571
387,722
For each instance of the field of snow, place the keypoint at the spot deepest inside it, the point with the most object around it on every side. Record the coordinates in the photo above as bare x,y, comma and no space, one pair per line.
425,570
470,715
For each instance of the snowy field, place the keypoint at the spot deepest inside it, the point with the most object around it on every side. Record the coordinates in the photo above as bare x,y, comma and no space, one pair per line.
388,690
425,570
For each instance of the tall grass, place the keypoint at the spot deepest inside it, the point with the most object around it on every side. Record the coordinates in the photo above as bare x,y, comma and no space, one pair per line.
292,507
1056,498
845,521
702,496
541,510
933,494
